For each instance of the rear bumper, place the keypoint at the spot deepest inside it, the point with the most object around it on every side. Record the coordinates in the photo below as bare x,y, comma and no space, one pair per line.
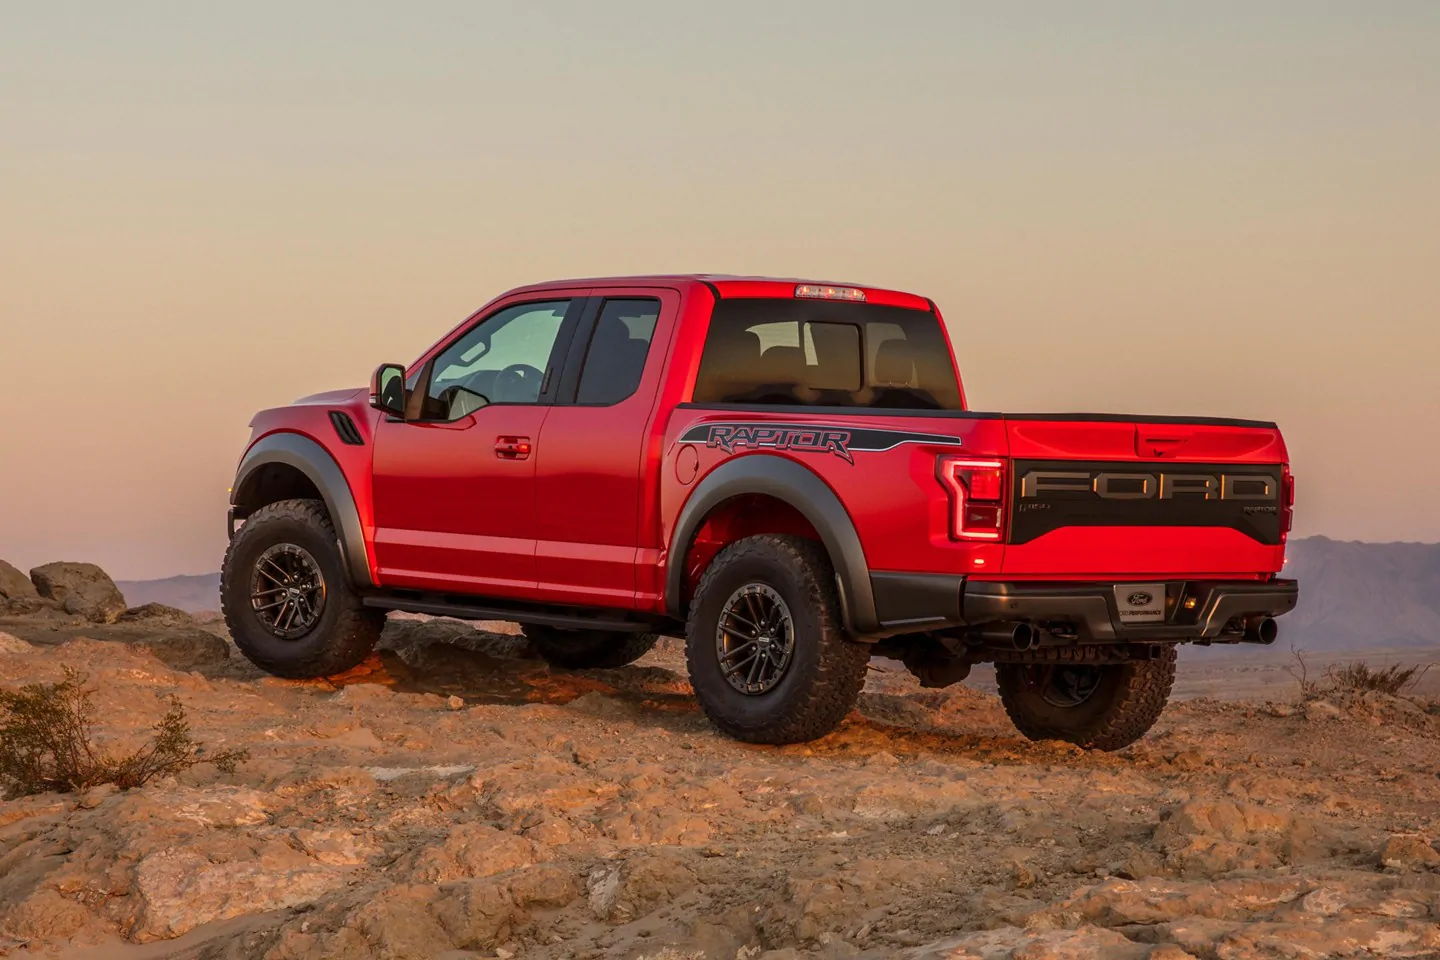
921,602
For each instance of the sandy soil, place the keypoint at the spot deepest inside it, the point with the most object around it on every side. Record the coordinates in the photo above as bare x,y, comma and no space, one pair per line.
455,798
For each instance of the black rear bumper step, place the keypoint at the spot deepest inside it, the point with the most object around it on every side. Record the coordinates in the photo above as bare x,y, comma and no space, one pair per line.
1091,610
921,602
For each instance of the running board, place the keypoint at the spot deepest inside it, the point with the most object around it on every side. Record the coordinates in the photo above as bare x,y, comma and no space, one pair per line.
465,610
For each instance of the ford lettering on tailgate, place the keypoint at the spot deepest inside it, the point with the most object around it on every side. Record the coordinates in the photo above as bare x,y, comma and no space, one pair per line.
1051,495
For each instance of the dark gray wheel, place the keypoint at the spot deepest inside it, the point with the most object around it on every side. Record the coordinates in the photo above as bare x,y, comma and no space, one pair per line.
286,600
754,639
287,590
1102,706
768,658
588,649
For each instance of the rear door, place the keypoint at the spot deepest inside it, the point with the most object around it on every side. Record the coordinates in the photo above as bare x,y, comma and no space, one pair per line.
590,476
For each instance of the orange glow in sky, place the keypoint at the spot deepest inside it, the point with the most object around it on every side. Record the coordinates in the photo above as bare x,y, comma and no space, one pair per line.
1225,209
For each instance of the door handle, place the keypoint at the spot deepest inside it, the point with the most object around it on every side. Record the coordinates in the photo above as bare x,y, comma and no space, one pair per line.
512,448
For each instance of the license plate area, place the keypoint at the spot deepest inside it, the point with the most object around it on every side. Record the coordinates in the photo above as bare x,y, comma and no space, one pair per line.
1140,603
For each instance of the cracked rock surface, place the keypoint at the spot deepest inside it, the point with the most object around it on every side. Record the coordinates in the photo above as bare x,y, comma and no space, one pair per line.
596,815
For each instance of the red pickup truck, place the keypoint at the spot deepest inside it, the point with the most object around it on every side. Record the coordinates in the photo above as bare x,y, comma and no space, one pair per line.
787,474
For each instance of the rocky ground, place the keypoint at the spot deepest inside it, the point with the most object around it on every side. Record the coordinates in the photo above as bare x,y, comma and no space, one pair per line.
454,797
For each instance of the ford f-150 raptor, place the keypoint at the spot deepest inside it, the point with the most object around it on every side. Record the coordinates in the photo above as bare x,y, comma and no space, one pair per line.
787,474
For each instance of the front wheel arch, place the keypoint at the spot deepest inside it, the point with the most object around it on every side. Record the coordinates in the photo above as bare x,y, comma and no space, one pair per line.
297,461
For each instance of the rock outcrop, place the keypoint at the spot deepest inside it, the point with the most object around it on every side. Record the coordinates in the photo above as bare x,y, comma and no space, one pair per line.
156,612
453,796
13,644
81,589
14,585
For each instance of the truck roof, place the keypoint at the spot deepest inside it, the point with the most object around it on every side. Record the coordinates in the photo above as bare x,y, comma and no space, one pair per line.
730,286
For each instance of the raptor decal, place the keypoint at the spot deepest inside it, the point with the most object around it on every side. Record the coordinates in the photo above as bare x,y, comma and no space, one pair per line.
843,442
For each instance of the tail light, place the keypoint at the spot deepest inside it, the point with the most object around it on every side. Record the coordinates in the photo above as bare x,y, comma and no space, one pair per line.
1287,502
977,497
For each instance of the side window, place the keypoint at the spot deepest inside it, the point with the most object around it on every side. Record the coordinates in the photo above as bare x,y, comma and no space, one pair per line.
616,356
501,360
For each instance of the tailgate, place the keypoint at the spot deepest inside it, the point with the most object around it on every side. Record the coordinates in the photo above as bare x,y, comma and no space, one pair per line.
1119,497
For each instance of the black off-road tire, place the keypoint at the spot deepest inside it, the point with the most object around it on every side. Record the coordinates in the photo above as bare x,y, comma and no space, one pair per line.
346,631
1125,704
826,670
588,649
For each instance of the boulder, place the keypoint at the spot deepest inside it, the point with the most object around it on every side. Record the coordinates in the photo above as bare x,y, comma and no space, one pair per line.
1408,852
410,638
186,649
222,875
633,888
82,589
1206,838
13,644
14,585
156,611
470,851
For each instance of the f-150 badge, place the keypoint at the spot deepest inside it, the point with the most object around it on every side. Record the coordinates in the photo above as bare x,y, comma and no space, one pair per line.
806,438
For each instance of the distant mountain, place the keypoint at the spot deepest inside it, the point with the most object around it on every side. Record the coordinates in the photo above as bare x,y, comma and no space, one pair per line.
1363,594
193,594
1351,594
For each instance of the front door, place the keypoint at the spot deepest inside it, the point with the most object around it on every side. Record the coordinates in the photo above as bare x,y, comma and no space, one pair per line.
455,489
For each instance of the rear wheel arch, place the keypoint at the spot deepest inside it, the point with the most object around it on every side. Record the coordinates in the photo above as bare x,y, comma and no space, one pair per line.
801,490
290,466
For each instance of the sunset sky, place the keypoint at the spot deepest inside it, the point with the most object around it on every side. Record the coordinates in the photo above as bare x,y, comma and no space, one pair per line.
1229,209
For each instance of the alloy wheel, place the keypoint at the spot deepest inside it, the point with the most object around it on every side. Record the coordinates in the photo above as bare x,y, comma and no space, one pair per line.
287,591
755,639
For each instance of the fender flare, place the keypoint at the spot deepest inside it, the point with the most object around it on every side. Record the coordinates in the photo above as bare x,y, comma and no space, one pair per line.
315,462
802,489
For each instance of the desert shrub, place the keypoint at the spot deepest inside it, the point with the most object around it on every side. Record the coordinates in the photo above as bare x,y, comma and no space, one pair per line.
1300,671
46,744
1360,677
1355,677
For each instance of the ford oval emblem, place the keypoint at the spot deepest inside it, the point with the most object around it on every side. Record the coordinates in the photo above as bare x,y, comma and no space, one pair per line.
1139,599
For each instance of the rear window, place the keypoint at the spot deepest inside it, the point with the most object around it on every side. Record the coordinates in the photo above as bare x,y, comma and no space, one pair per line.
824,353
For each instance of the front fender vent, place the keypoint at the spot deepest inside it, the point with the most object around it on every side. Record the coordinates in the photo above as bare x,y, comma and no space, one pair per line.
346,429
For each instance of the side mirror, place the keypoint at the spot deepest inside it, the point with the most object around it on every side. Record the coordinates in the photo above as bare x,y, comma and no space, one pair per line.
387,390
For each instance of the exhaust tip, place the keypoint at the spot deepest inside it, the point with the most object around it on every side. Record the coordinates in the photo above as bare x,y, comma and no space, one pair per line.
1263,630
1024,637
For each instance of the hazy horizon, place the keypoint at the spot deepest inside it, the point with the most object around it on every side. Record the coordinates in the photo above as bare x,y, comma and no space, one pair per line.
1229,209
197,575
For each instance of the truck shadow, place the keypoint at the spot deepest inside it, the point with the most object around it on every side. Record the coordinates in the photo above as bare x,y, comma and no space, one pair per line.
451,658
893,716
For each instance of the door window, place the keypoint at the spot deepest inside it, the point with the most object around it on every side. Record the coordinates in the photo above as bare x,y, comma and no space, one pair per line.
618,348
503,359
